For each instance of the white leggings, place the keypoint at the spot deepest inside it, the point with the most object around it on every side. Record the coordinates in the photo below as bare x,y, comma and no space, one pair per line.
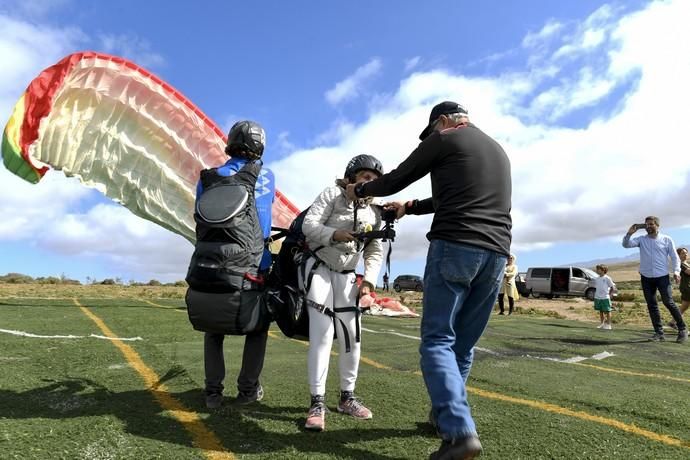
334,290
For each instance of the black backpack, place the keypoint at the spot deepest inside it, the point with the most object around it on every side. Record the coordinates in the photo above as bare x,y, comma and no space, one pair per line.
288,299
226,292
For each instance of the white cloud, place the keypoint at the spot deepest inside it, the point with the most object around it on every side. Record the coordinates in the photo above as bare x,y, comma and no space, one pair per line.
412,63
351,87
46,214
26,49
129,243
569,184
132,47
33,8
536,39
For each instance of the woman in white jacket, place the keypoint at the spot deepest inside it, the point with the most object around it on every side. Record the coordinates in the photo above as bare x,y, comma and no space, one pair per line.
332,291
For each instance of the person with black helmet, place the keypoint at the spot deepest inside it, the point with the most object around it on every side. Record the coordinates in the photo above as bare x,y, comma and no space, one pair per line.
330,226
246,143
469,244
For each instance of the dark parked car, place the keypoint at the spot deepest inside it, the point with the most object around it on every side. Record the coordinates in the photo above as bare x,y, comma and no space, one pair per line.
408,283
521,285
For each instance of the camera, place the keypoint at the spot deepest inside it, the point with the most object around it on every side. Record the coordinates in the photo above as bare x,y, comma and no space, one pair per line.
640,226
387,232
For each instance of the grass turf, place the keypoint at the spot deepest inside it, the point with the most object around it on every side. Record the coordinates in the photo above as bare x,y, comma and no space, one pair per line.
80,398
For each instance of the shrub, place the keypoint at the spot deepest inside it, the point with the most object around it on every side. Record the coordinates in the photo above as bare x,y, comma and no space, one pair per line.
626,296
16,278
48,280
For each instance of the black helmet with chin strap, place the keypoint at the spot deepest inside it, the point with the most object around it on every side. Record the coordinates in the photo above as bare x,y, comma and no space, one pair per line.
246,138
361,162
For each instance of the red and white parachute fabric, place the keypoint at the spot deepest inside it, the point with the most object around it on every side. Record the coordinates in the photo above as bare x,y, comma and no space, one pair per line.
385,306
121,130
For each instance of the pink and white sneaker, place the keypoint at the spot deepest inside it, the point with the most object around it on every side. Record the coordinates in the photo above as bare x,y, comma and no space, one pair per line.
316,418
352,406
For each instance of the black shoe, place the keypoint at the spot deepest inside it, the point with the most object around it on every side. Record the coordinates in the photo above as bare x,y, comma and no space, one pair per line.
658,337
248,398
458,449
501,313
214,400
682,336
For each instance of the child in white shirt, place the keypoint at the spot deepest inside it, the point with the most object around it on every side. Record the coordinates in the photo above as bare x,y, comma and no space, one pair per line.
602,297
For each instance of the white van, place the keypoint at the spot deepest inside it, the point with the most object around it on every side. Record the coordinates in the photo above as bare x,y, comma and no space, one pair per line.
560,281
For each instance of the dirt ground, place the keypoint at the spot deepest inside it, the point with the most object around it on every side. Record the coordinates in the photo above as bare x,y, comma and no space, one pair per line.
572,308
569,308
575,308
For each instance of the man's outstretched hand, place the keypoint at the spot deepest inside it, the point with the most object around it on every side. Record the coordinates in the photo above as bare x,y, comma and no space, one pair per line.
399,207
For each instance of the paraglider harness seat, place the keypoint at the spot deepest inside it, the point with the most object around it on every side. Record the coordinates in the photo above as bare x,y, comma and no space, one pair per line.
226,292
288,297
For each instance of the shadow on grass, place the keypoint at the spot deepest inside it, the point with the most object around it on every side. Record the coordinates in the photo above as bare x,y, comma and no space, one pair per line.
238,427
583,341
564,325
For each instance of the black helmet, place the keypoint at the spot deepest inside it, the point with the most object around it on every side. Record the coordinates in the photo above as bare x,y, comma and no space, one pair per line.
246,138
360,162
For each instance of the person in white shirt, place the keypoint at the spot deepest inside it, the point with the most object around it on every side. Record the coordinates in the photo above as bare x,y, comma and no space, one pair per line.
602,297
655,250
328,276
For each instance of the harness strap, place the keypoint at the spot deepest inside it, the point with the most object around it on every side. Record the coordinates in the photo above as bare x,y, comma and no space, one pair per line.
388,259
326,310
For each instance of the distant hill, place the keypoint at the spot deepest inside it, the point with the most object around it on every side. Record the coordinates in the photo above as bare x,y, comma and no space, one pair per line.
632,258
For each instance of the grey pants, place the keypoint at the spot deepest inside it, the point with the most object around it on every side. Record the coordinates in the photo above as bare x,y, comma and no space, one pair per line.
252,362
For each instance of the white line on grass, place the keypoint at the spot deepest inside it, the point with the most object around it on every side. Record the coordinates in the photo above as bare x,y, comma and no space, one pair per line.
575,359
36,336
391,332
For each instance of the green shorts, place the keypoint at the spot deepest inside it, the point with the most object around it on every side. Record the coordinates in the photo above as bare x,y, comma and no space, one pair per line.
602,304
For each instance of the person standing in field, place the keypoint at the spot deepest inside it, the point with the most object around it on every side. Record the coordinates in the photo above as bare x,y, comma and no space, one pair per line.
470,240
655,250
509,287
246,141
684,286
329,279
602,297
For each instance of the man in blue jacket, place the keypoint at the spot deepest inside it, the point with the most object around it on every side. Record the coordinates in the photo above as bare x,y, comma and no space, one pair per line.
246,141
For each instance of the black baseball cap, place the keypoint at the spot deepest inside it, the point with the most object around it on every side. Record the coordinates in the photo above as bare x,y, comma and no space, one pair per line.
444,108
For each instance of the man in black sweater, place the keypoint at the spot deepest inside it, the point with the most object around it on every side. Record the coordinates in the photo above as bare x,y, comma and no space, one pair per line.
469,243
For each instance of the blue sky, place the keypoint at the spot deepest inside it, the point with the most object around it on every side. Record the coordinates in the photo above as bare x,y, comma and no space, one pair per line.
587,98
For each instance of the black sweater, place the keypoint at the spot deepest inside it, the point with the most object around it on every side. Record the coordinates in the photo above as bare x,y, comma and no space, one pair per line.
470,186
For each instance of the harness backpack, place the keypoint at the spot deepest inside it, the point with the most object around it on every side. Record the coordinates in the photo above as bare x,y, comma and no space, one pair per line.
226,293
288,300
291,282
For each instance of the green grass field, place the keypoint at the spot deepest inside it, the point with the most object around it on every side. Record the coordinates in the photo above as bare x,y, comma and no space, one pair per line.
92,398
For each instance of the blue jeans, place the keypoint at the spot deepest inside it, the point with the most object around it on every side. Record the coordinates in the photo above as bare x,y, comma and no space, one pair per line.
461,283
649,288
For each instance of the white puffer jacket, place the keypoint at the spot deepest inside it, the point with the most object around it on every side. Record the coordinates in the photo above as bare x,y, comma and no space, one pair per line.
333,211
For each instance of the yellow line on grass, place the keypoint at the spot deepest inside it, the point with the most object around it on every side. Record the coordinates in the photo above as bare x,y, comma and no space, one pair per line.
202,437
662,438
167,307
581,415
